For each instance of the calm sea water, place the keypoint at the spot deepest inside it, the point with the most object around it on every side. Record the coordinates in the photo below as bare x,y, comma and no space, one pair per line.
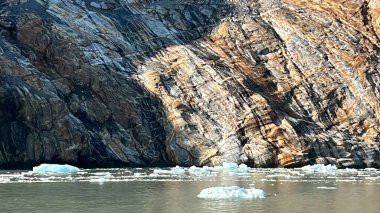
149,190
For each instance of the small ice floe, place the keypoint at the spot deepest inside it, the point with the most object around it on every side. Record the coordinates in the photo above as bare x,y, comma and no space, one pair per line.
372,178
162,172
103,174
201,171
173,171
139,174
235,169
232,192
278,176
349,171
243,168
5,180
178,170
101,177
319,168
99,180
370,170
230,166
326,187
51,169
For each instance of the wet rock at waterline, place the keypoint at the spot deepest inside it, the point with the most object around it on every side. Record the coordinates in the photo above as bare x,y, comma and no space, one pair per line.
189,82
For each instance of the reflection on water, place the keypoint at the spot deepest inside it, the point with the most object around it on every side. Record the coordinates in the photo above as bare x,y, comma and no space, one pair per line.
142,190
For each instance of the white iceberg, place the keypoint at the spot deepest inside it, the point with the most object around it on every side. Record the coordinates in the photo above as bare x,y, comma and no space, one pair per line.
48,169
231,192
319,168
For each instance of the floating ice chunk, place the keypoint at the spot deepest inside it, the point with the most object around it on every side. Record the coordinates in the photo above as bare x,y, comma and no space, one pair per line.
106,174
350,171
231,192
325,187
200,170
5,180
138,174
103,174
101,177
173,171
319,168
195,170
162,172
218,168
230,166
243,168
178,170
371,178
48,169
100,180
370,169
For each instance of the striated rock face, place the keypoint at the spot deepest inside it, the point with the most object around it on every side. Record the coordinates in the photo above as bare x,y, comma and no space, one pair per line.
190,82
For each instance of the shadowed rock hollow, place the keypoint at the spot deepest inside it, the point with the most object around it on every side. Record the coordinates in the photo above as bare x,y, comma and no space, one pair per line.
190,82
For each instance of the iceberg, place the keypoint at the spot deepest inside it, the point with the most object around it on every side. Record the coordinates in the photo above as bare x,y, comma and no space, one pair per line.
232,192
47,169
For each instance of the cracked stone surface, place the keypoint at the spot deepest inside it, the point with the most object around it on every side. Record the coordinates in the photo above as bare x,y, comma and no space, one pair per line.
269,83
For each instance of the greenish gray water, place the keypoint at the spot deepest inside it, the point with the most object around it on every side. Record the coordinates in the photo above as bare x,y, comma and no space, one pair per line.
146,190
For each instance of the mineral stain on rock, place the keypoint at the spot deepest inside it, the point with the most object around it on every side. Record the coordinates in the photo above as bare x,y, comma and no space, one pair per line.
189,82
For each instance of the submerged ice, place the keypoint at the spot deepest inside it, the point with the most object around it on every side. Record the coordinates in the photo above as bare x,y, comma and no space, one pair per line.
231,192
47,169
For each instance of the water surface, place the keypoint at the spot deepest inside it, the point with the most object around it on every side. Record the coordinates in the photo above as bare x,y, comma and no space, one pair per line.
168,190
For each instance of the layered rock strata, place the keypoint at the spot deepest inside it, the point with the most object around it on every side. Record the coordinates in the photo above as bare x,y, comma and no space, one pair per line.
190,82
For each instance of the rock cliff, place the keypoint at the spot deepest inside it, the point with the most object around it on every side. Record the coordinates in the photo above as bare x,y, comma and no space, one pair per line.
190,82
